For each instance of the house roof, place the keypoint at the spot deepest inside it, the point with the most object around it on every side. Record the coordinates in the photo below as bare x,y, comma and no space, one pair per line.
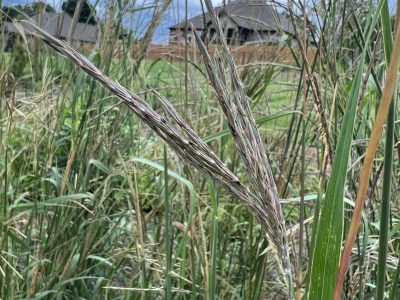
249,14
59,25
197,22
9,27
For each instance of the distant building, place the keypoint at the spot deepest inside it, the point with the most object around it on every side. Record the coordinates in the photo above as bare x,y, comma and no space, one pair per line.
58,25
243,22
10,33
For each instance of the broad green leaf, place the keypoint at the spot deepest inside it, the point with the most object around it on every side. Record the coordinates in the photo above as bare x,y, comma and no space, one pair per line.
328,242
326,256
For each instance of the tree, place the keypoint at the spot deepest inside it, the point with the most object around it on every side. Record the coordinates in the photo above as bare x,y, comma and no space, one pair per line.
17,12
37,7
12,12
88,12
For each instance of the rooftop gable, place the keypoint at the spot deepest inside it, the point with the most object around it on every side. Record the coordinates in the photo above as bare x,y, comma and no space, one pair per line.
59,25
249,14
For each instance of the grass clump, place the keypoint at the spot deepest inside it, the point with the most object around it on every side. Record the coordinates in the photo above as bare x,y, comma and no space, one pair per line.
249,192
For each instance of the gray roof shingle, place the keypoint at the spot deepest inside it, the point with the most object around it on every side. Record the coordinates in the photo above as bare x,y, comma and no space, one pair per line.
59,25
249,14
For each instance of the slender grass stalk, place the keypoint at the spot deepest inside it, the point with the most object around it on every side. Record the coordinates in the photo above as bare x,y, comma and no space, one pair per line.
314,85
186,54
299,272
291,144
394,291
212,286
4,240
74,21
140,231
260,265
362,264
168,234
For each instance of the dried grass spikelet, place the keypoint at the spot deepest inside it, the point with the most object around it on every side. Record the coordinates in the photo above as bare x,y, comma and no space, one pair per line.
235,105
262,199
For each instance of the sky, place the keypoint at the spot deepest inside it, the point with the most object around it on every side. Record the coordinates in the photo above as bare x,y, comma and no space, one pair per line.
140,20
139,23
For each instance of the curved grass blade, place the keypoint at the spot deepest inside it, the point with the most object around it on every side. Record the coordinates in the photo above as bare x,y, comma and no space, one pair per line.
59,201
259,122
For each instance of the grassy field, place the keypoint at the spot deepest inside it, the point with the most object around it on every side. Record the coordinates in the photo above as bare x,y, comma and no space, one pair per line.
64,122
95,205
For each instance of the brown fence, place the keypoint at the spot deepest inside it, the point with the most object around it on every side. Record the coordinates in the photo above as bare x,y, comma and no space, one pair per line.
242,55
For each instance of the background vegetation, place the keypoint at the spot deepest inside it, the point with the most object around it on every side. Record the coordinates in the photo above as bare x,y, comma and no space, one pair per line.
95,206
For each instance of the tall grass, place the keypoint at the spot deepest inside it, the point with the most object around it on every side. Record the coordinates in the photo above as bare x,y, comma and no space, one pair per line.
94,205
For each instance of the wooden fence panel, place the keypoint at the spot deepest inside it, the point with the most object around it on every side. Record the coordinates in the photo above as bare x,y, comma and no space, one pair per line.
242,55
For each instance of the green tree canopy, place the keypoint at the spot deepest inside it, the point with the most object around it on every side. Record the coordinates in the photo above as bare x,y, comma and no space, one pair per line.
36,7
12,12
17,12
88,12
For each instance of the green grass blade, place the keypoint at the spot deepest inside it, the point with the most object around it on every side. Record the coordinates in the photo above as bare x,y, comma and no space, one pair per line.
395,288
59,201
167,232
326,257
212,285
10,234
171,173
386,31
